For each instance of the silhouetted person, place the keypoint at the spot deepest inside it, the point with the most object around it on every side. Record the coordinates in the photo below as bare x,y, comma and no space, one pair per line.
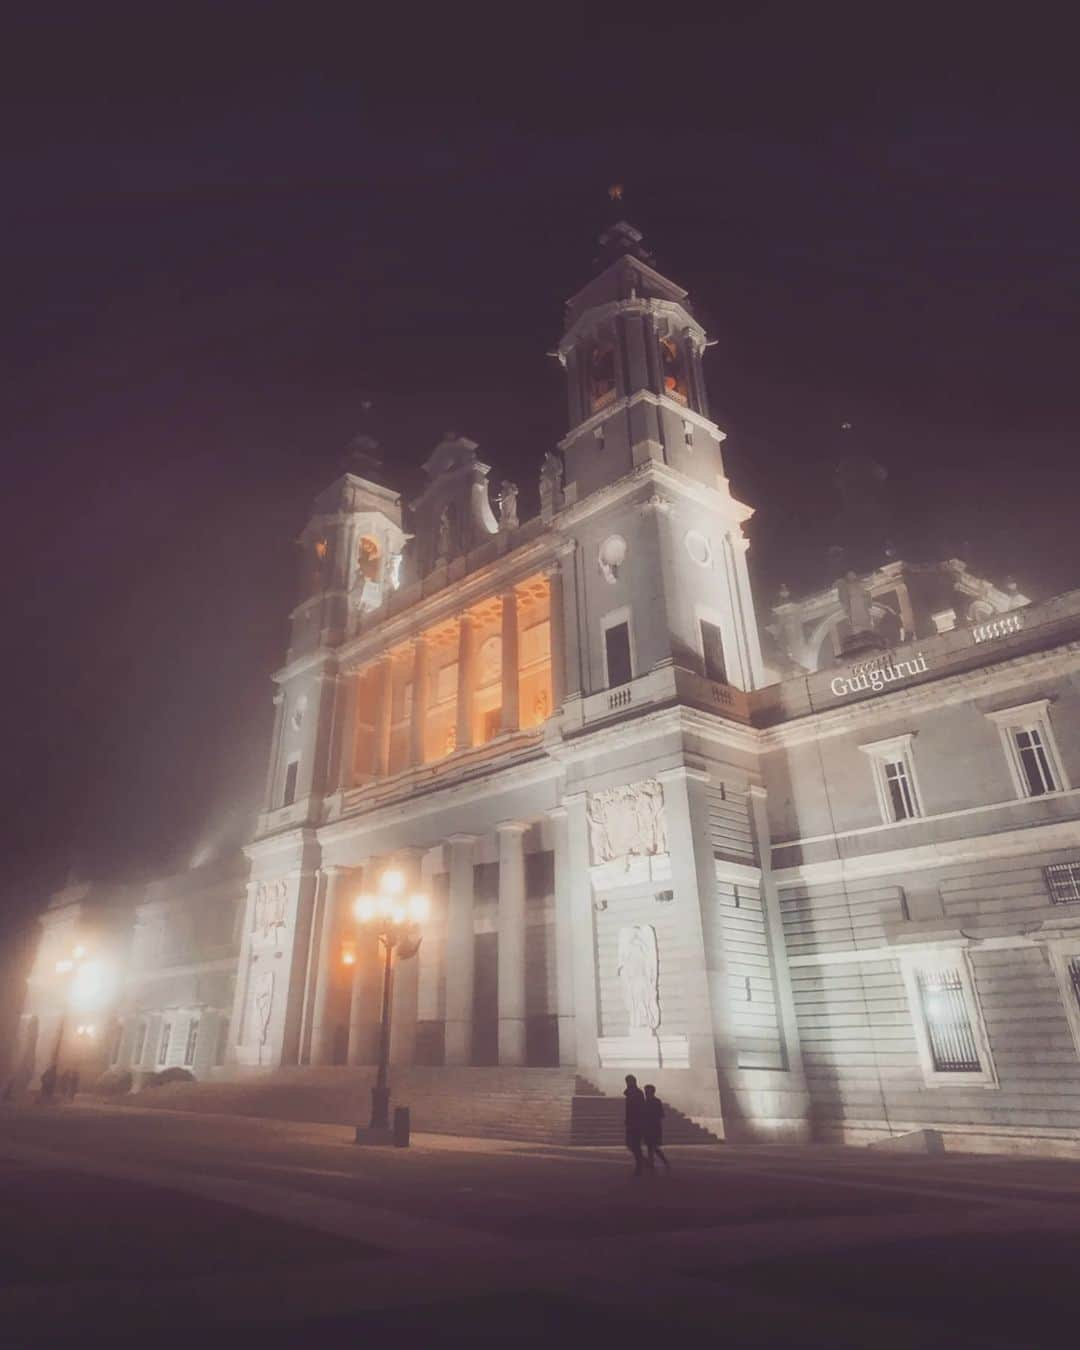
652,1129
48,1083
635,1102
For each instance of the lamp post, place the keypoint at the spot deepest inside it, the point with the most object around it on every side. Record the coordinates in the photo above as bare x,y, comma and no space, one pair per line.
396,919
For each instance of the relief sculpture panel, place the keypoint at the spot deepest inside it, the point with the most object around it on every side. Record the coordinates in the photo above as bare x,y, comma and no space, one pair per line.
626,821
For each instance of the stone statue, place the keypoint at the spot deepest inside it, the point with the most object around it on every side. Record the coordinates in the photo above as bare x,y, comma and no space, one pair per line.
551,472
444,534
627,820
262,1000
855,598
638,970
508,512
393,570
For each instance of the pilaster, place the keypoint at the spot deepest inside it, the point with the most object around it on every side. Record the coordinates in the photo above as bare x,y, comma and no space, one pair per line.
460,951
511,961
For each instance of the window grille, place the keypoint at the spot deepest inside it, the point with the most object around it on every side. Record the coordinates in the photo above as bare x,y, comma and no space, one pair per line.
898,786
192,1041
1063,882
1034,762
948,1026
140,1043
163,1048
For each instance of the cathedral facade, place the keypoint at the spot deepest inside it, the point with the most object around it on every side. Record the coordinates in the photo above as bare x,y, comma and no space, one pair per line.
815,873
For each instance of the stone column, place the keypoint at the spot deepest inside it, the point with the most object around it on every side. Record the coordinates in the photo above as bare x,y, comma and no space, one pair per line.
384,712
329,976
460,951
275,752
571,645
564,934
582,932
510,687
511,941
418,716
557,630
406,976
365,1006
346,748
465,679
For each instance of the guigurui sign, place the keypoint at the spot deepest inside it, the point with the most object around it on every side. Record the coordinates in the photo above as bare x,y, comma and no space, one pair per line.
873,677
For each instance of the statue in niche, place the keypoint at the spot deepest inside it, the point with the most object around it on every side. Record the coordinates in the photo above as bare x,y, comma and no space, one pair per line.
270,901
507,499
638,967
855,598
262,1004
626,821
444,535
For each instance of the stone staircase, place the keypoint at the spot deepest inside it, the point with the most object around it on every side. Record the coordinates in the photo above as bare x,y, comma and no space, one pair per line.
549,1106
596,1119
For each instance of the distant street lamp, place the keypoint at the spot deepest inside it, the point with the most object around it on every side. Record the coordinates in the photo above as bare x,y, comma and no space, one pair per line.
396,919
67,968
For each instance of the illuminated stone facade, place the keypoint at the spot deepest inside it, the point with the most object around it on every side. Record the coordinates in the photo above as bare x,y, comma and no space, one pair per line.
814,877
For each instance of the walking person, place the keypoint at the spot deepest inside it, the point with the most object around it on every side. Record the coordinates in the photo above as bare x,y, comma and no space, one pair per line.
652,1129
635,1102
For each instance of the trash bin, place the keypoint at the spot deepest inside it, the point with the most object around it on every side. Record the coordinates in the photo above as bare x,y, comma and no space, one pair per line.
401,1127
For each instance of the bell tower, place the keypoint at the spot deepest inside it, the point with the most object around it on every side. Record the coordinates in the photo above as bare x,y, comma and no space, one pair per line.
660,537
632,354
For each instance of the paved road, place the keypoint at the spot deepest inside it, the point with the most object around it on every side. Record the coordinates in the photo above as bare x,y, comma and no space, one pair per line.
160,1229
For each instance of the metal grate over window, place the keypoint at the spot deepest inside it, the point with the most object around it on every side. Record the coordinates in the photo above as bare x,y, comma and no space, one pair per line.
1074,976
948,1026
1063,882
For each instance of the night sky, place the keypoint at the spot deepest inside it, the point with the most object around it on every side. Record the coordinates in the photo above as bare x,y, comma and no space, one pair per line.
235,238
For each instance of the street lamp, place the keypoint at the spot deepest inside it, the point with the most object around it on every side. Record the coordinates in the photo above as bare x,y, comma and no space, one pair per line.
395,917
69,967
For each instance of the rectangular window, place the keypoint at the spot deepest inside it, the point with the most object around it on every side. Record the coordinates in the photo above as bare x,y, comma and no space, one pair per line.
1034,762
292,769
1063,882
898,788
949,1032
192,1041
617,649
894,778
1074,979
140,1043
163,1044
712,647
222,1042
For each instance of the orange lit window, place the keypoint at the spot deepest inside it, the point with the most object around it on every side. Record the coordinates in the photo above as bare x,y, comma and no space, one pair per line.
367,558
320,549
674,369
601,376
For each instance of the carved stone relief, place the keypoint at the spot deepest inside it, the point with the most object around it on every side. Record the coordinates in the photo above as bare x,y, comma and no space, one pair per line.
270,901
627,820
638,973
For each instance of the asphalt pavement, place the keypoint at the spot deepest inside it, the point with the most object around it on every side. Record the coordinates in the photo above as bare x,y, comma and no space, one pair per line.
155,1228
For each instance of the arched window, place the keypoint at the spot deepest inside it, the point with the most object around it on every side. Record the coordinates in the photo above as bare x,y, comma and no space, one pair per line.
673,370
367,558
600,375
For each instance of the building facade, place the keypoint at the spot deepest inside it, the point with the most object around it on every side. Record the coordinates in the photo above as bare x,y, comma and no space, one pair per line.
816,874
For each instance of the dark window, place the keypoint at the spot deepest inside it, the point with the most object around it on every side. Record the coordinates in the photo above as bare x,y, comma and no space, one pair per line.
539,875
601,376
222,1041
1063,881
1034,762
163,1044
140,1043
1074,976
674,368
192,1041
948,1027
617,644
290,782
899,788
713,648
